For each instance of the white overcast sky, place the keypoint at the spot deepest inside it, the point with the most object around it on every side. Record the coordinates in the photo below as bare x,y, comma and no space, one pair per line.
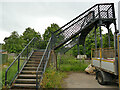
16,15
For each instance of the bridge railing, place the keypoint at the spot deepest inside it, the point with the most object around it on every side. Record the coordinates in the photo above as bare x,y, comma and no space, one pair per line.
43,64
71,29
17,65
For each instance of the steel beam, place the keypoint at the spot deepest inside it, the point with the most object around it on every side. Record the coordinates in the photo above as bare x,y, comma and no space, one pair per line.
78,49
108,35
101,42
95,38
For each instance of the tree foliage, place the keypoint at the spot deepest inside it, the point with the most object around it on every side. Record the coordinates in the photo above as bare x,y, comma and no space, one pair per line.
49,31
13,43
29,33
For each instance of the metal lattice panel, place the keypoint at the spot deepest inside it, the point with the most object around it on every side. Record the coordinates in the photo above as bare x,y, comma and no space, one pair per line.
69,45
98,11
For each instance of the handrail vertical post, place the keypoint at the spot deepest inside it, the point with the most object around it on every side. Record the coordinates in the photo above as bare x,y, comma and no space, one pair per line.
18,63
99,10
5,78
36,80
33,43
27,52
113,10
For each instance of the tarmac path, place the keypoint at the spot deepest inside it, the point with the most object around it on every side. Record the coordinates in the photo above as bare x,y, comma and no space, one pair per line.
83,80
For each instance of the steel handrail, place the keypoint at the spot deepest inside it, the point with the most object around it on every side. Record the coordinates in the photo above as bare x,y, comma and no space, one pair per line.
72,24
96,9
41,62
83,14
16,60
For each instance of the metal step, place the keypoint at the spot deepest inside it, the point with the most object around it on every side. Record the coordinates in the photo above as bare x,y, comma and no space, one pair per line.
27,76
24,86
30,72
33,62
32,59
25,81
41,50
40,56
38,53
30,68
31,65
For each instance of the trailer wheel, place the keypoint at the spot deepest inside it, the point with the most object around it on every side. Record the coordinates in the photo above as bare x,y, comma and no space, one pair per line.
100,78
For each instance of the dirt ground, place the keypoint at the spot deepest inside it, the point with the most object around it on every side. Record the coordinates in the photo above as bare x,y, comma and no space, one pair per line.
83,80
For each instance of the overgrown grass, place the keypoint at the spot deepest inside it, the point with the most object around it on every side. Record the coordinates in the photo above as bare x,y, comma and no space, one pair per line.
52,78
70,63
12,71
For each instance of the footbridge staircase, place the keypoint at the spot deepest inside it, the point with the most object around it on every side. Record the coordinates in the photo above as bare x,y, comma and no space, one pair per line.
31,62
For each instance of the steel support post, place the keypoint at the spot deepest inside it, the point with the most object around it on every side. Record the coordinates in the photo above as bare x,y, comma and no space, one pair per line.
5,78
101,42
78,49
108,35
78,46
95,38
84,49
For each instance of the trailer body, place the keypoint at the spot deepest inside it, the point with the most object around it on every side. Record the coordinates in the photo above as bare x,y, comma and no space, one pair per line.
105,60
107,65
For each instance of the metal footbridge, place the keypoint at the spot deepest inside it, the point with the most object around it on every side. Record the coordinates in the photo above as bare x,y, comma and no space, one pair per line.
29,74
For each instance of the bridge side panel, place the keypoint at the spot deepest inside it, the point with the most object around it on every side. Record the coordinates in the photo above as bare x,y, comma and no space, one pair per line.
119,58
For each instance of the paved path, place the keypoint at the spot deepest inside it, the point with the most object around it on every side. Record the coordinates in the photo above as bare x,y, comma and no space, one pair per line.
83,80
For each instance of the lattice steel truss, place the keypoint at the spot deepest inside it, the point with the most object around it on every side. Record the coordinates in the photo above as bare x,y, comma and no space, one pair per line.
70,44
74,27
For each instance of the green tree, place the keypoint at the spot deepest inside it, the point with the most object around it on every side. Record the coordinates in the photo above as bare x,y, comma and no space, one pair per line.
75,50
28,34
13,43
49,31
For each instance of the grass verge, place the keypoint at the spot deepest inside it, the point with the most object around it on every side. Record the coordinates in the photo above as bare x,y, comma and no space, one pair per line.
12,71
70,63
53,78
